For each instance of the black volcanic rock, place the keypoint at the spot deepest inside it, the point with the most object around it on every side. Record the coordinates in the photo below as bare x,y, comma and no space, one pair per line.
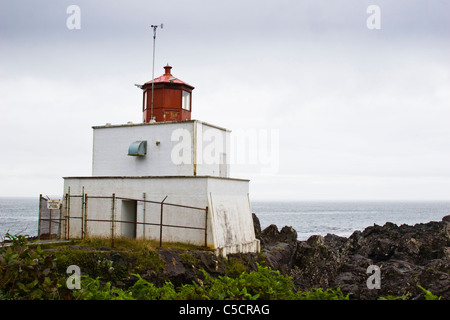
408,257
278,247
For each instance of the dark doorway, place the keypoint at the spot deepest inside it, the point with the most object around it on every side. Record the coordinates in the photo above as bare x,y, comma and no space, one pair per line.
129,215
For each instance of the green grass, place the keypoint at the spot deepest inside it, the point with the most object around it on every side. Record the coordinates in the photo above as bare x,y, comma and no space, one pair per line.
123,243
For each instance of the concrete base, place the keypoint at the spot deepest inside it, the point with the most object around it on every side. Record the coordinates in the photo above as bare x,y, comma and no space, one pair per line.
223,209
252,246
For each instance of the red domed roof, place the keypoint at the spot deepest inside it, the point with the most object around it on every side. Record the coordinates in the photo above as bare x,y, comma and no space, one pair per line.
167,77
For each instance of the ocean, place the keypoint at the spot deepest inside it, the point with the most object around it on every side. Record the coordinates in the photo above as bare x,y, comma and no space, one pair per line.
342,218
20,215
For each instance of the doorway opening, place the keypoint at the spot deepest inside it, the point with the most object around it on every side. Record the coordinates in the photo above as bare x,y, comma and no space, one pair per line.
129,218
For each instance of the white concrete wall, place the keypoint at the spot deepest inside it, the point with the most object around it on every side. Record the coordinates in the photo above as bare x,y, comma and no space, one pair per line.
212,148
181,148
186,191
229,221
231,217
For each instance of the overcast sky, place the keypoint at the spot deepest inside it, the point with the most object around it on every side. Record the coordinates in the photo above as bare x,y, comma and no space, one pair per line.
343,111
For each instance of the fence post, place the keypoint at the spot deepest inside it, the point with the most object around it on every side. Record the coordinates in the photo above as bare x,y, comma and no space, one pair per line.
39,224
65,215
161,222
143,215
60,220
68,214
85,215
82,213
206,226
113,209
50,222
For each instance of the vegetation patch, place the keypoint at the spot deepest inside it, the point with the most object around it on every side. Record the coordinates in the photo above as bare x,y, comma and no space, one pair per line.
29,272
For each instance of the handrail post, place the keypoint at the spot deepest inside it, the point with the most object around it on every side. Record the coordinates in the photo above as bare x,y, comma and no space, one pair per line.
40,210
50,222
61,207
68,215
66,209
143,215
113,209
82,213
206,227
85,214
161,222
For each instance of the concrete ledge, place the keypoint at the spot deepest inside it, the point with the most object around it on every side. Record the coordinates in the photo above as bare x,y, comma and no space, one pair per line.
158,124
249,247
155,177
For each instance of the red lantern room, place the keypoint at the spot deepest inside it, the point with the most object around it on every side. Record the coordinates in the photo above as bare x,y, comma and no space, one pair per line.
171,98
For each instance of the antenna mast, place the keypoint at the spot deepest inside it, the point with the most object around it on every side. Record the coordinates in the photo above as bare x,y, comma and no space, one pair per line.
153,68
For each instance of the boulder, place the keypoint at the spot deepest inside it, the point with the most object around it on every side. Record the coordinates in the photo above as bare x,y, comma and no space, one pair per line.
408,257
279,247
256,226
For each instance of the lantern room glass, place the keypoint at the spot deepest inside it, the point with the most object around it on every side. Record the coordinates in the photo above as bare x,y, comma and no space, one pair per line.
186,102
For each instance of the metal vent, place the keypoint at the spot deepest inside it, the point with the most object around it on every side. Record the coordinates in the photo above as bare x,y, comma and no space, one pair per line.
138,148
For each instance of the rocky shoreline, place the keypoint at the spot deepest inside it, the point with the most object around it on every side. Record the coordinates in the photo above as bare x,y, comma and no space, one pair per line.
408,257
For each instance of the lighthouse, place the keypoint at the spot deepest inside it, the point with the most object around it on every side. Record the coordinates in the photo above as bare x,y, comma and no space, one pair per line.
166,179
170,97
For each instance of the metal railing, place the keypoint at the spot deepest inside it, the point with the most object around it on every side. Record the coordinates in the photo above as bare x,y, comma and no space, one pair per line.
64,217
49,226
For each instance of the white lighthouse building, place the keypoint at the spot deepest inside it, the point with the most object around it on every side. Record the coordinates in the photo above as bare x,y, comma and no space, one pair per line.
166,179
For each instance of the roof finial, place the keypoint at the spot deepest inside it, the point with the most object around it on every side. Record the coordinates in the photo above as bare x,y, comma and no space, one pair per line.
167,68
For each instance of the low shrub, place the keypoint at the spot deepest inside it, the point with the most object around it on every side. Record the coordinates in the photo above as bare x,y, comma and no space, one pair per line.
265,284
27,273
